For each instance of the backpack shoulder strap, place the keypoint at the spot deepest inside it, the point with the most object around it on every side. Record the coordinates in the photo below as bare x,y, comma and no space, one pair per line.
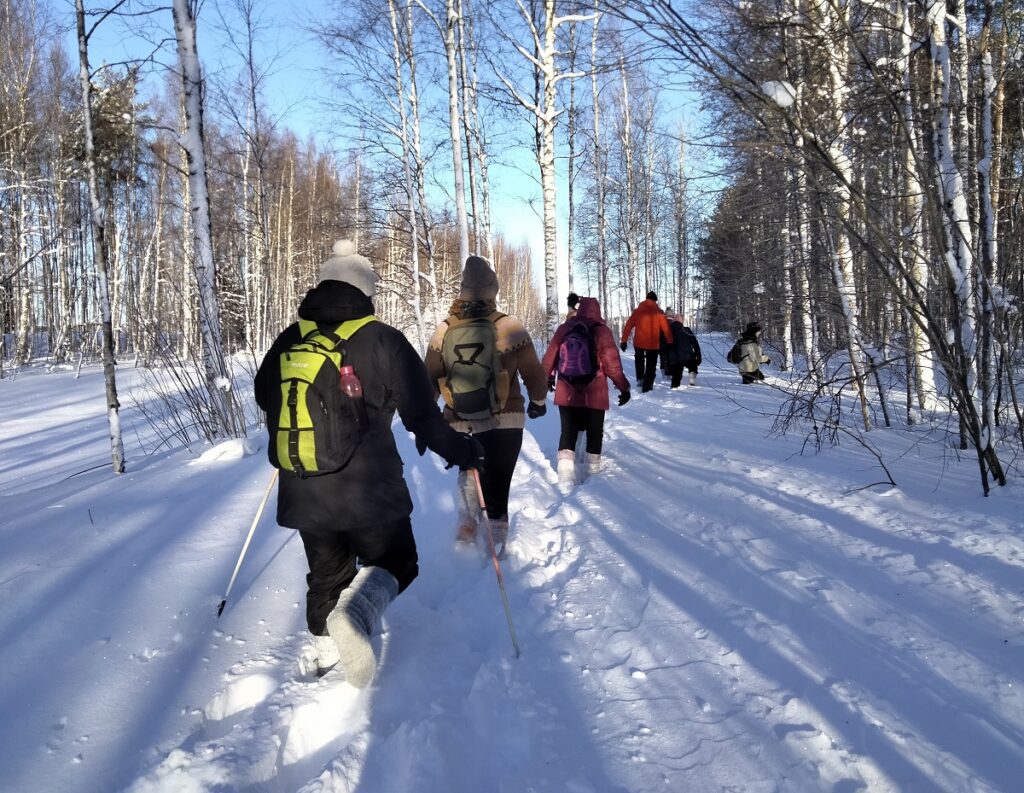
315,333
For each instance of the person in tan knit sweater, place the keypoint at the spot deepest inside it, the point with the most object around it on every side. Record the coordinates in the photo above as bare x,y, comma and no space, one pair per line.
501,433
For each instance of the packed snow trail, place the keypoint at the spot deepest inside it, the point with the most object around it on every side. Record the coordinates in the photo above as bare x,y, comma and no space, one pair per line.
712,612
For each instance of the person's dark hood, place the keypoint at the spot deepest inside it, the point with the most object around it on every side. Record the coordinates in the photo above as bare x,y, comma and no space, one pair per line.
334,302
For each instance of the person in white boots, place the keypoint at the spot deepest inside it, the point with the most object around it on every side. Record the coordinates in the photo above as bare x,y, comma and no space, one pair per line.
354,506
483,392
579,361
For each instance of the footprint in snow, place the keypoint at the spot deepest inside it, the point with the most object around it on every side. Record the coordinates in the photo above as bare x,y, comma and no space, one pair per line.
241,694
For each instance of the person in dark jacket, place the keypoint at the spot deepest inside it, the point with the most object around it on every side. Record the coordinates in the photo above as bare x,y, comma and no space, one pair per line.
649,323
582,408
682,353
501,432
362,511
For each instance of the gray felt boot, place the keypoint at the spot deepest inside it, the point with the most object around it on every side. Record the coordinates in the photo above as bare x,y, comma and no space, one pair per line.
468,509
353,619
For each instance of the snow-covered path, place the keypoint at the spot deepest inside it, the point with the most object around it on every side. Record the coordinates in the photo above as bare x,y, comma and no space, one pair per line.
713,612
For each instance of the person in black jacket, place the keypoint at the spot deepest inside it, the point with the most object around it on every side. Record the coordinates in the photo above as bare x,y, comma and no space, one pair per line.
683,352
361,511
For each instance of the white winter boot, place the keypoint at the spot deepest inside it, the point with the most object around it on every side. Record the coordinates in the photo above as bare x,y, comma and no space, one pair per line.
566,469
319,657
593,464
354,618
693,378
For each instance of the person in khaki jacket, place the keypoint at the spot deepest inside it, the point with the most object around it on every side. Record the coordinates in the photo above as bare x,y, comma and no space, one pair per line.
500,431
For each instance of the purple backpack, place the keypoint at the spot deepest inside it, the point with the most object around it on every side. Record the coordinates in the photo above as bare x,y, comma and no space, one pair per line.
577,356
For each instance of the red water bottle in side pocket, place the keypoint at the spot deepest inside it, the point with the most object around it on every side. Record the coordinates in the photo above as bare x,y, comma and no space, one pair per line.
353,389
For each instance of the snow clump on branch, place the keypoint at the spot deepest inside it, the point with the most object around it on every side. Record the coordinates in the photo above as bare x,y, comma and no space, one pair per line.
781,92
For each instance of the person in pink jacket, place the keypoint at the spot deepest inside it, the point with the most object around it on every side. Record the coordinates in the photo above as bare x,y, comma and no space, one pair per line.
582,406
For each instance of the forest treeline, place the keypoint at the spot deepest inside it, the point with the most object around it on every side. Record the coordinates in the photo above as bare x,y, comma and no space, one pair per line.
873,217
860,186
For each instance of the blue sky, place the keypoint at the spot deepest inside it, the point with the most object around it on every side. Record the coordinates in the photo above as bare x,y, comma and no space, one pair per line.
296,88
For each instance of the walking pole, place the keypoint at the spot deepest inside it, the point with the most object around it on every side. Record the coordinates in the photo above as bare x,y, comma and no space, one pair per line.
245,545
494,558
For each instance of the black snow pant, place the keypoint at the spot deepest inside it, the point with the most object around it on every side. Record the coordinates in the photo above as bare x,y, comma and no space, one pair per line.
501,453
646,368
576,420
676,372
751,377
332,563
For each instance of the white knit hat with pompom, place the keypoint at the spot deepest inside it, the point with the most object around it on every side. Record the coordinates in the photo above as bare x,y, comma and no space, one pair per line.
346,265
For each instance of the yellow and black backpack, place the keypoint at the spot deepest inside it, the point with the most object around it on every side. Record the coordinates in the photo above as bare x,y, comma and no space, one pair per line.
312,428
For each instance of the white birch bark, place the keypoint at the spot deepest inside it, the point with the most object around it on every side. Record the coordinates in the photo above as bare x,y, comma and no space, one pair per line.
988,195
214,367
682,240
455,128
571,176
914,246
599,166
626,141
959,255
478,141
786,245
546,160
428,273
415,301
468,100
98,251
834,23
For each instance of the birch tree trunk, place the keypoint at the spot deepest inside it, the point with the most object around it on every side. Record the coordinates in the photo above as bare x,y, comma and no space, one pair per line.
546,119
682,246
599,170
834,23
426,239
455,128
415,301
989,201
786,242
477,141
958,242
214,367
914,247
626,139
98,248
571,181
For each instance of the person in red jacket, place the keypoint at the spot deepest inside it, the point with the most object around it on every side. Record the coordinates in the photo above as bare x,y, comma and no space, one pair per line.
649,324
582,407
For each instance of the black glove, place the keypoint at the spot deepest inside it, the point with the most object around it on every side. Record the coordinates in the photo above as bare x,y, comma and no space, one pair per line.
421,446
469,455
551,383
623,397
622,346
767,361
533,410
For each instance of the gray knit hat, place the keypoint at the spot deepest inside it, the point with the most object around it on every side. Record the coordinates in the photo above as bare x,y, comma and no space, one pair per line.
479,281
346,265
